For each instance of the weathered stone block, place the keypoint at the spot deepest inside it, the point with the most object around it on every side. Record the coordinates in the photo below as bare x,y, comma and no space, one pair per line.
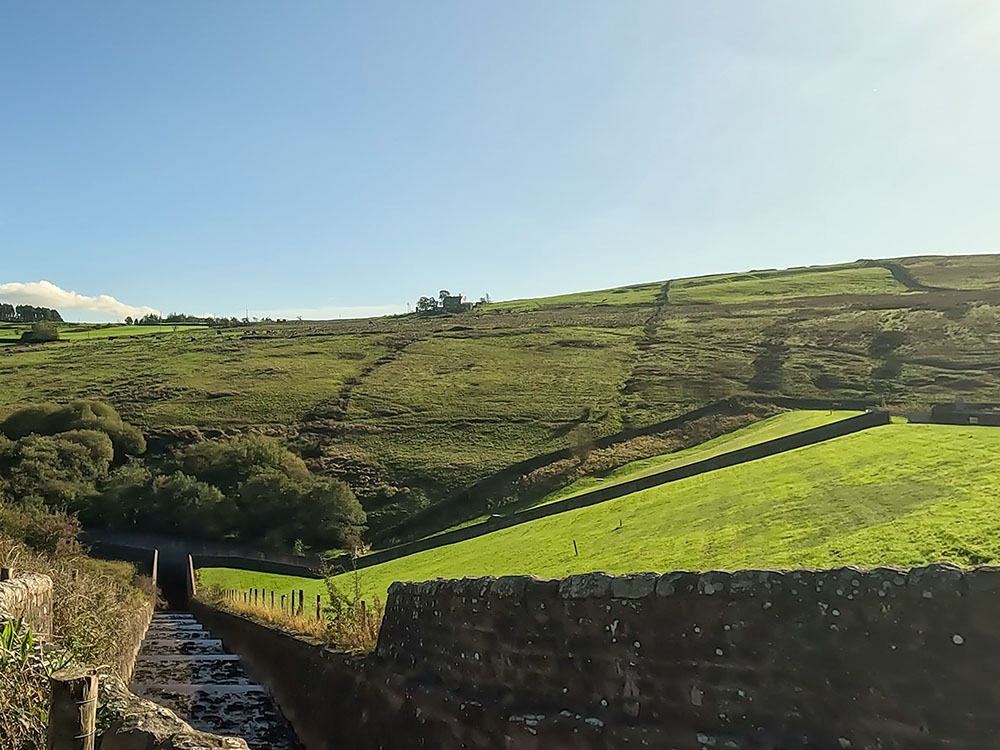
585,586
633,586
679,582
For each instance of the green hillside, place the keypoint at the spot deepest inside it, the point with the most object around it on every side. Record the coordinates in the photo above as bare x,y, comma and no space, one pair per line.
412,411
762,431
901,494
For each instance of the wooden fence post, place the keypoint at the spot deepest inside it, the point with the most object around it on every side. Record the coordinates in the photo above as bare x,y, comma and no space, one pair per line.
282,602
302,602
272,598
73,715
319,609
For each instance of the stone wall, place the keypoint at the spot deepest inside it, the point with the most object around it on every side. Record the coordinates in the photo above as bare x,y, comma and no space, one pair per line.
754,452
132,633
442,513
28,597
844,658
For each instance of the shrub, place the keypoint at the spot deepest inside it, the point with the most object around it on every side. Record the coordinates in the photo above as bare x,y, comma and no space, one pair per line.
41,332
318,511
274,496
53,534
24,688
227,463
59,471
581,442
885,343
122,499
53,419
351,622
180,504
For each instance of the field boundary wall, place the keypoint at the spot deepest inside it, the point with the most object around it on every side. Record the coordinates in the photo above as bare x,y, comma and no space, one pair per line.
773,447
210,554
28,597
733,404
755,659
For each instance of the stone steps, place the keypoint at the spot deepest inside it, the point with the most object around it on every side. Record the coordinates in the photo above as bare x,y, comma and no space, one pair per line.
181,666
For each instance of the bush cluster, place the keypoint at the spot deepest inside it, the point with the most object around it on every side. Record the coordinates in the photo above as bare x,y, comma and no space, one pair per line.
83,458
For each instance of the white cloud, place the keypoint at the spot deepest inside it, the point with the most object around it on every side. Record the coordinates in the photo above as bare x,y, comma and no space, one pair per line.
47,294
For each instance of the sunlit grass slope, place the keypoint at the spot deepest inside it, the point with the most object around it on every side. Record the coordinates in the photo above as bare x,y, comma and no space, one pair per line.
637,294
901,494
762,285
73,332
759,432
955,271
84,331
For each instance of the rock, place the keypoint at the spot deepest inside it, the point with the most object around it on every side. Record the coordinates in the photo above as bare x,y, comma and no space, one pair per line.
585,586
633,586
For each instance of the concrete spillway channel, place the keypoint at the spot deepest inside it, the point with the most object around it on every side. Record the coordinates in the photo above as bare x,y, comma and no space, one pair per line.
181,666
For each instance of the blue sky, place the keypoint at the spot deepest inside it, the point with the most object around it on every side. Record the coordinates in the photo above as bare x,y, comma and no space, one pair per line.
331,158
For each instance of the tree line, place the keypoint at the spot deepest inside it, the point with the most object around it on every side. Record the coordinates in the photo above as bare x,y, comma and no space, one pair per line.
27,314
82,458
184,319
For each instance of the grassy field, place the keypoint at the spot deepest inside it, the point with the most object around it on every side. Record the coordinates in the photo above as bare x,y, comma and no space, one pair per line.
432,405
767,429
190,378
955,271
72,332
901,494
774,285
637,294
87,331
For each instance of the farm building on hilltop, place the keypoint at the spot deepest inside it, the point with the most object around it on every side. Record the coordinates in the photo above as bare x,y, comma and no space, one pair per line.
455,304
959,412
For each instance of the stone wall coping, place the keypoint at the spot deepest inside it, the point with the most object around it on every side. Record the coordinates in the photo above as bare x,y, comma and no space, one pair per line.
848,581
28,597
27,583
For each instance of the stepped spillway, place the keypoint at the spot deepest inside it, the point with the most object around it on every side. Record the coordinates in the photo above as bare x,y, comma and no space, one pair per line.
182,667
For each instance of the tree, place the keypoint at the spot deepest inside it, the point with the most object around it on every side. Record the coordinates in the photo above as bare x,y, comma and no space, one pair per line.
41,332
128,320
426,305
57,471
228,463
272,495
52,419
320,512
123,499
443,293
180,504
